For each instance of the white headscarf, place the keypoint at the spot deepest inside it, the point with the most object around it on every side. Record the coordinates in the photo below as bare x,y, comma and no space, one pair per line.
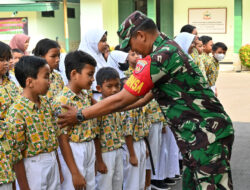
89,44
184,40
115,57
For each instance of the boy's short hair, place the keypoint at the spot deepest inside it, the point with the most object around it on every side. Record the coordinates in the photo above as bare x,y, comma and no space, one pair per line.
188,28
43,46
28,66
219,45
205,39
106,74
77,60
17,51
5,52
147,25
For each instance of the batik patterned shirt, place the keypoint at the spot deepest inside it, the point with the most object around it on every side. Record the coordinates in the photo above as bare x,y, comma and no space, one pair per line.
109,131
85,131
56,85
211,67
153,113
36,127
195,115
198,61
8,92
134,124
9,154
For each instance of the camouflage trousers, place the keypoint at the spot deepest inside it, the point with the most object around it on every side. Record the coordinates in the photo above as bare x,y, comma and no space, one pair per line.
209,168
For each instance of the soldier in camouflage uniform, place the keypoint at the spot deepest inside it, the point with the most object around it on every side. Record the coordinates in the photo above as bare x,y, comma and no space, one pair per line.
202,129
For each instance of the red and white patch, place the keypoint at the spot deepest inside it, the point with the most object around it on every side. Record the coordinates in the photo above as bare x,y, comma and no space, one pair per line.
140,65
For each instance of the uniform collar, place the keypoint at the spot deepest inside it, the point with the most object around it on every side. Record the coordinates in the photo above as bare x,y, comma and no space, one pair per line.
31,105
71,94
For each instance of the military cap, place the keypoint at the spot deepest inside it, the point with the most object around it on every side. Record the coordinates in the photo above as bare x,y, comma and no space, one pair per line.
129,26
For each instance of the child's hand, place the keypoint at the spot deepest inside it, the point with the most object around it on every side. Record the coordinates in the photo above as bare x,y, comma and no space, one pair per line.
61,177
101,167
164,130
147,153
133,160
78,181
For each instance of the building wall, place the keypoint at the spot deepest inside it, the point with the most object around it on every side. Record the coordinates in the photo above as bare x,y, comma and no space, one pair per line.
181,18
50,27
245,22
100,14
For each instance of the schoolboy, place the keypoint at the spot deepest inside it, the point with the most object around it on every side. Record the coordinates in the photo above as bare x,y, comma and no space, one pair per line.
196,55
77,142
32,117
135,129
109,155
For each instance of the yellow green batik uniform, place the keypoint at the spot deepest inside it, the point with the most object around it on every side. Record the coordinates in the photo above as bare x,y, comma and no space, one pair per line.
211,67
9,153
36,127
84,131
8,92
56,85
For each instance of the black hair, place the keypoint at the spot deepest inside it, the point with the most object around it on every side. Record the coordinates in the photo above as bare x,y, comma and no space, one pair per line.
43,46
126,49
17,51
28,66
123,82
77,60
219,45
188,28
106,74
205,39
146,25
5,51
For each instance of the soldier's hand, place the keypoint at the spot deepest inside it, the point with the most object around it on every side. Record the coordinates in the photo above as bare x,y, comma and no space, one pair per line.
68,118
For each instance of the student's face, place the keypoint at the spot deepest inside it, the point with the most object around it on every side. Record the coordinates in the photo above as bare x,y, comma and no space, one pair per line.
53,58
219,51
103,45
26,44
85,79
207,48
42,83
132,57
199,46
109,87
4,66
16,56
106,53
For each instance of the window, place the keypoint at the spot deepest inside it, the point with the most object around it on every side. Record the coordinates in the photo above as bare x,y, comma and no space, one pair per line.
71,13
48,13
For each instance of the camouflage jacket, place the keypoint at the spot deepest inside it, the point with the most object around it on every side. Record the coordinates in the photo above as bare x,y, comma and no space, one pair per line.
195,115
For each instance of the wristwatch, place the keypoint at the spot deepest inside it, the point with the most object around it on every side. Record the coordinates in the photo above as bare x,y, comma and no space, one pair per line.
79,116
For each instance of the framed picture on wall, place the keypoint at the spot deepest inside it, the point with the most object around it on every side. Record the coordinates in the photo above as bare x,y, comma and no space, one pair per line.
208,20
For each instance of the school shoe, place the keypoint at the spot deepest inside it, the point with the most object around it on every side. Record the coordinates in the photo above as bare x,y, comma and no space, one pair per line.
159,185
169,181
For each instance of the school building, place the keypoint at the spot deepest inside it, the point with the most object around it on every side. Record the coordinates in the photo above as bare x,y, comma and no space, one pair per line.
40,19
225,20
231,26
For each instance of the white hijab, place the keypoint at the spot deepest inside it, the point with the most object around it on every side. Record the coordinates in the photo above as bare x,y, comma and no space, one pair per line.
115,57
89,44
184,40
